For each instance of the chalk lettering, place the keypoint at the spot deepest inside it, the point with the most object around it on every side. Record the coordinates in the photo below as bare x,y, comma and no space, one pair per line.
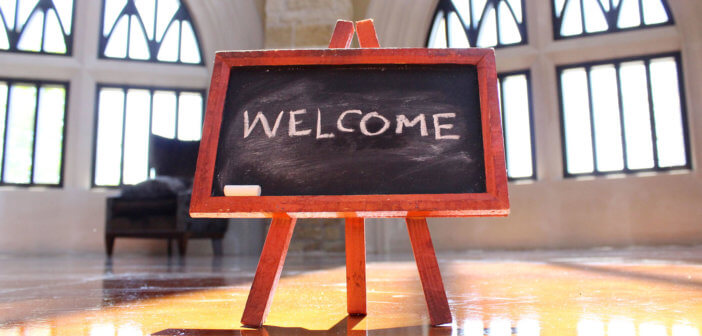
264,122
292,125
340,126
438,126
403,121
364,120
319,127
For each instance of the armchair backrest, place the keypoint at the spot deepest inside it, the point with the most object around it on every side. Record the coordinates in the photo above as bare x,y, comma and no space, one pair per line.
173,157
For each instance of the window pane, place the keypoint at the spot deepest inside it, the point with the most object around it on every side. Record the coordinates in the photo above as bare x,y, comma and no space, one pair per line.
108,158
164,16
31,37
487,34
654,12
457,34
164,25
637,121
117,43
189,116
147,12
477,8
53,37
605,107
516,114
138,49
64,8
572,19
189,52
3,109
49,138
25,8
437,37
164,115
20,134
508,30
594,16
629,14
576,121
670,138
168,51
136,136
8,6
112,9
463,9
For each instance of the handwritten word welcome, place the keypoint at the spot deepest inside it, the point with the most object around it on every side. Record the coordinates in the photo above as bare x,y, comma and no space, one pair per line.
295,118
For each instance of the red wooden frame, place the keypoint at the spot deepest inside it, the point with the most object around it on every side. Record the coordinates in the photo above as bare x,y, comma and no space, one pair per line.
494,202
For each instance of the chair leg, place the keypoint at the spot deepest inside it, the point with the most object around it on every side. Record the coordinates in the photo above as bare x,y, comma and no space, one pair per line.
182,245
217,248
109,244
170,246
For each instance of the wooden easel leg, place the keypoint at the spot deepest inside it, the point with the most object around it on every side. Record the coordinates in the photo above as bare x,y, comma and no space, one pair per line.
268,271
355,266
434,293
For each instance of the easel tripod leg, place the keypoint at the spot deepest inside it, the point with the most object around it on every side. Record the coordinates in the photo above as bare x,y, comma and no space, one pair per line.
434,293
355,266
268,271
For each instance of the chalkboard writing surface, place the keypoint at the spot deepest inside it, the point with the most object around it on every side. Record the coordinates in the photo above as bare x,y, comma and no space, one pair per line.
353,133
368,154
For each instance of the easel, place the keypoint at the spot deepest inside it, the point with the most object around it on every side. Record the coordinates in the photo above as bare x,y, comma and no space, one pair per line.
277,241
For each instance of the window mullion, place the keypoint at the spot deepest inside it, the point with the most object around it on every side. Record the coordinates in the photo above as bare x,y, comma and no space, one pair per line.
622,128
177,114
151,120
124,129
652,120
34,135
593,141
4,135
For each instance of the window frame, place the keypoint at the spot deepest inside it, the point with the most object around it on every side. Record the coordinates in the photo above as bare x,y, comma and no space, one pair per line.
125,87
68,38
612,29
447,6
37,83
102,40
530,107
616,62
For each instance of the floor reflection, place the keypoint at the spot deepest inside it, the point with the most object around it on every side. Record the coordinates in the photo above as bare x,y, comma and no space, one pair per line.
489,294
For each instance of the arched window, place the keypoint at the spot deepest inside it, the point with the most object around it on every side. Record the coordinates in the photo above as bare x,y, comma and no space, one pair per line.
158,31
38,26
620,115
478,23
149,30
585,17
487,23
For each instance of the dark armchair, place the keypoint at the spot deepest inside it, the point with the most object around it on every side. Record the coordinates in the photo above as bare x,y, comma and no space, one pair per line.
159,208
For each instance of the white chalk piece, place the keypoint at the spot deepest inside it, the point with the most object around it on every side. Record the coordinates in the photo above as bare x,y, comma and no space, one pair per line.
242,190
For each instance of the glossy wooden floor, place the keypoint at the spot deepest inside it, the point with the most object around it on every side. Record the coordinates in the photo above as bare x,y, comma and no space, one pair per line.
648,292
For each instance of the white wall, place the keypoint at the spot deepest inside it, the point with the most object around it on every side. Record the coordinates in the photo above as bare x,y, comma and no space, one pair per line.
71,219
554,212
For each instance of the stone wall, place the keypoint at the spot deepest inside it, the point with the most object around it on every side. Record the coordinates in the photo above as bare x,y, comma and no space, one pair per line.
303,24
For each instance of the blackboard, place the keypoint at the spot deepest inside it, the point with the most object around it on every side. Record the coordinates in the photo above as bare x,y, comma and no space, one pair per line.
367,154
353,133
